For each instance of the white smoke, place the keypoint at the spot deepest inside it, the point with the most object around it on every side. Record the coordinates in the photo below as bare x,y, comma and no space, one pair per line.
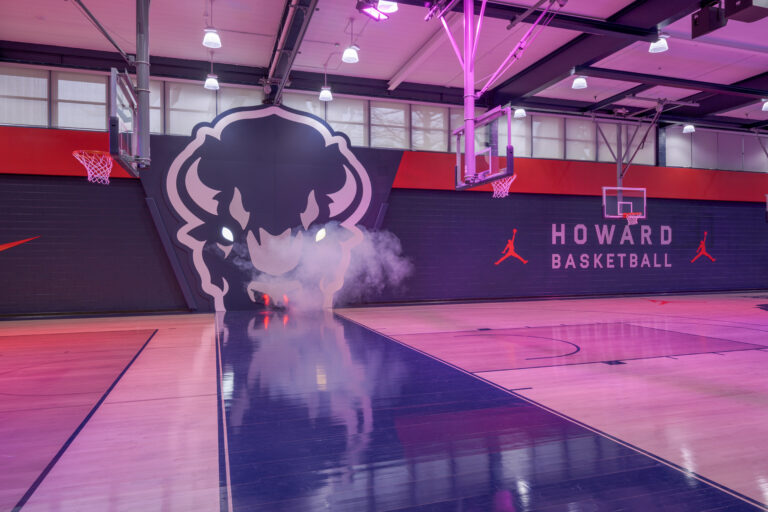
376,263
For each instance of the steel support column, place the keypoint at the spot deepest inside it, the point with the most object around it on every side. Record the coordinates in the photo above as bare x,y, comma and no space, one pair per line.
142,81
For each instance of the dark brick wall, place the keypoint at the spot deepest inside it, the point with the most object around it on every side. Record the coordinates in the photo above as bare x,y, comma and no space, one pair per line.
98,250
453,239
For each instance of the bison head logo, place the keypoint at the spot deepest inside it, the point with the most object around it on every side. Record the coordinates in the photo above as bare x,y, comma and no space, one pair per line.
251,189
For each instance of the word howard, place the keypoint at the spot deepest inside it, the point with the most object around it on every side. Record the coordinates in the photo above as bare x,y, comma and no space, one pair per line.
607,235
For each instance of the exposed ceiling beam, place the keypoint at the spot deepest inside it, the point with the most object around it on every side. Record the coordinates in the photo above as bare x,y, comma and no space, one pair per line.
617,97
758,125
295,21
587,49
710,103
560,20
55,56
425,51
166,67
373,88
679,83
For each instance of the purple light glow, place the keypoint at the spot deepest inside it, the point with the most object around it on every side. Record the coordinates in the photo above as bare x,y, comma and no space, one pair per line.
374,13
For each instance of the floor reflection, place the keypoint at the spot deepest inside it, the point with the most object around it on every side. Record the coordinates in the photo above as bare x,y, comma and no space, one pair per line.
323,414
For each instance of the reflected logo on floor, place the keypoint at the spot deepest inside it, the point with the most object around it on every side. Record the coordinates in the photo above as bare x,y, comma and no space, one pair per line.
509,250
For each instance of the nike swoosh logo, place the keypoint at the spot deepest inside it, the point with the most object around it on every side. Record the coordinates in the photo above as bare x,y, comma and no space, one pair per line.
3,247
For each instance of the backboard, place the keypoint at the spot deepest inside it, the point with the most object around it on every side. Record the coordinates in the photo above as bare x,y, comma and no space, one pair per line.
123,115
489,165
620,200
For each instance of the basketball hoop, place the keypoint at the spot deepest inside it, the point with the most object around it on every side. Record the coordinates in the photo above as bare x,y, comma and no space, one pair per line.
97,163
501,187
632,217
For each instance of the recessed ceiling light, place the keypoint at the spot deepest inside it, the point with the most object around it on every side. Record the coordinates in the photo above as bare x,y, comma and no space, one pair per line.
579,83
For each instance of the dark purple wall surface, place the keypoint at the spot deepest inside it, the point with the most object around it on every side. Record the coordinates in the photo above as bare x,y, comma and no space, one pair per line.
97,250
454,239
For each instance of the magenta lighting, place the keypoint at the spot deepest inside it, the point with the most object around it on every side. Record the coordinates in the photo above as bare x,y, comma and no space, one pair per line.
386,6
370,9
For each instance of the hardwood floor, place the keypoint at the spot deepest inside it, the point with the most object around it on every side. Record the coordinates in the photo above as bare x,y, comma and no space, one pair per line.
152,444
284,412
682,378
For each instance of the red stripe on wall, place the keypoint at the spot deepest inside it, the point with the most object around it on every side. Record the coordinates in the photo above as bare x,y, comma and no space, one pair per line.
435,171
49,152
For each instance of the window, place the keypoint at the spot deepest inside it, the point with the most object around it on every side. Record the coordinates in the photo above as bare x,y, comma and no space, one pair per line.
188,105
305,103
233,97
155,106
389,125
80,101
429,130
347,115
580,143
457,121
730,151
521,136
646,155
23,96
678,147
547,136
755,159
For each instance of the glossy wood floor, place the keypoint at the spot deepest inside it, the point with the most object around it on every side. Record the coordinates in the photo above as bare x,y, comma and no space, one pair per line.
109,414
682,378
288,412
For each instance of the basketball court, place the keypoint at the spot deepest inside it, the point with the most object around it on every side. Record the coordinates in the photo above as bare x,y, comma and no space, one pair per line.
460,255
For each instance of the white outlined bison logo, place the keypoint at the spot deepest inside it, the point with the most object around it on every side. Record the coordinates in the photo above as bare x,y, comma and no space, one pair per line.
251,190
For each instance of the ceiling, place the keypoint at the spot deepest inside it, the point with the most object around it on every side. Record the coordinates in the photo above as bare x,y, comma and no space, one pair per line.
408,57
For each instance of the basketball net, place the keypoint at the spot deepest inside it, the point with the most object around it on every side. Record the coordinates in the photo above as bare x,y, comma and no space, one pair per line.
631,217
501,187
97,163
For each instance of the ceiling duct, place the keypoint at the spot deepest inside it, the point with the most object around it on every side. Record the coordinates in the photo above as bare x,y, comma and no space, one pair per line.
746,10
707,20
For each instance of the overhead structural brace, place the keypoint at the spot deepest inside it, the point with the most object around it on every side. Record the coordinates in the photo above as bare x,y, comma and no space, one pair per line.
467,58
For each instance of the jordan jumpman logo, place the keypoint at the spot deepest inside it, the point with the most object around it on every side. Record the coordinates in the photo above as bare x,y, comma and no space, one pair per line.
701,250
509,250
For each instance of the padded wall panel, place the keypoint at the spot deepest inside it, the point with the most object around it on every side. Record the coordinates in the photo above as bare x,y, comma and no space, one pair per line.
97,250
454,239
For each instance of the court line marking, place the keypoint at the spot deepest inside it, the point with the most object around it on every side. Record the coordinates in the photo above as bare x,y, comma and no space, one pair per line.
719,352
39,480
488,332
221,410
670,464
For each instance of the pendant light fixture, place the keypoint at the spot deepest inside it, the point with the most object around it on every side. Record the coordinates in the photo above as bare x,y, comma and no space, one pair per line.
212,80
325,90
211,37
350,54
